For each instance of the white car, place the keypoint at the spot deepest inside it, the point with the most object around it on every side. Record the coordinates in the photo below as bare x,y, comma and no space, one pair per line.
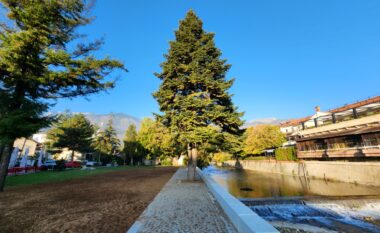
91,163
50,164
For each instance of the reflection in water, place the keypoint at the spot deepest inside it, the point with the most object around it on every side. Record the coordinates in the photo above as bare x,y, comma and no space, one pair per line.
253,184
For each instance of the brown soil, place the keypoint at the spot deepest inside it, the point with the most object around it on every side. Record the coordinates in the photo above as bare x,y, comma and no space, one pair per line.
108,202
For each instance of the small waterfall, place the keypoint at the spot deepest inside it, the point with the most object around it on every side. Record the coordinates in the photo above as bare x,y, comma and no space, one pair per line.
317,215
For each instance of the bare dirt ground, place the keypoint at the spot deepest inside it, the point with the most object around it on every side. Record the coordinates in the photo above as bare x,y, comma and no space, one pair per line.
108,202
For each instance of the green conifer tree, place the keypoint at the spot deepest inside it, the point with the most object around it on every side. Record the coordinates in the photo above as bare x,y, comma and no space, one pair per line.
107,143
74,132
42,57
132,148
193,95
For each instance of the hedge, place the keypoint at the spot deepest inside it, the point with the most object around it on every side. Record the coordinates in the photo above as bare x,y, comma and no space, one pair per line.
286,153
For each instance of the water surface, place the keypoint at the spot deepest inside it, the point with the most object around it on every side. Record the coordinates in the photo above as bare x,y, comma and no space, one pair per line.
253,184
312,205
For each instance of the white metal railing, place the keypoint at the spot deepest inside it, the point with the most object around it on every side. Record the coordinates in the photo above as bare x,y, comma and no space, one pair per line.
343,148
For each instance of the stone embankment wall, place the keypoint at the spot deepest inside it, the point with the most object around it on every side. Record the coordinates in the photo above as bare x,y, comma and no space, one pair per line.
367,173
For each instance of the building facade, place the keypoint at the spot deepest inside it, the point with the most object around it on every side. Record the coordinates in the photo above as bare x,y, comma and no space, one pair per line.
350,131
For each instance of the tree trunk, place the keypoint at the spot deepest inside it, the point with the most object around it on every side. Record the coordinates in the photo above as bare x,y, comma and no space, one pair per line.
72,155
194,153
192,162
5,153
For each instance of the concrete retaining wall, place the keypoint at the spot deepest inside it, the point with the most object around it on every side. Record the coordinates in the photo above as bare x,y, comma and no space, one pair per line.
366,173
243,218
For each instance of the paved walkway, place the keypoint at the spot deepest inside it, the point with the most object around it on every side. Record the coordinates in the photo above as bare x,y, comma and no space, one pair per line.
183,206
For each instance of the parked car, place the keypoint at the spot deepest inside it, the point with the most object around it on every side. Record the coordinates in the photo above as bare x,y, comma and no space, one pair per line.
91,163
73,164
49,164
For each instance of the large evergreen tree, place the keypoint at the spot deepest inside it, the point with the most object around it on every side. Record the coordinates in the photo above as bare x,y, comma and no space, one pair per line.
107,143
193,95
74,132
42,57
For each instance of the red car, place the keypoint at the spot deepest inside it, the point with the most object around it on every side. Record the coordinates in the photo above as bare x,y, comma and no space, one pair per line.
73,164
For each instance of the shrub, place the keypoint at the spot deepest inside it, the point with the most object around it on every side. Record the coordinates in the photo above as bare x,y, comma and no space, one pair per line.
286,154
202,161
166,161
221,157
61,165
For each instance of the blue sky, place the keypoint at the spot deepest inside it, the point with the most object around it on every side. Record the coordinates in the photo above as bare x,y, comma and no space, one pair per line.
286,56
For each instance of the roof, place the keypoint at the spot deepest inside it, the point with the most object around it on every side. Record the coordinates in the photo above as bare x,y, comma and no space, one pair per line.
369,101
294,122
375,99
363,130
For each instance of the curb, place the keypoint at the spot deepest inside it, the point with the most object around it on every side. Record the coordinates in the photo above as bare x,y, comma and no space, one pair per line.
242,217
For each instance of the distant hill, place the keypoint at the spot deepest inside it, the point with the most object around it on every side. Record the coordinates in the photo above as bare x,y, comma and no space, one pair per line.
263,121
121,121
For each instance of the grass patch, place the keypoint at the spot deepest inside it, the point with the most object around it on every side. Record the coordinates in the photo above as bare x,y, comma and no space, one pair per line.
57,176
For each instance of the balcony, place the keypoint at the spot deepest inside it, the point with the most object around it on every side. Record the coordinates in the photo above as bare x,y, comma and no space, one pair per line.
359,151
341,127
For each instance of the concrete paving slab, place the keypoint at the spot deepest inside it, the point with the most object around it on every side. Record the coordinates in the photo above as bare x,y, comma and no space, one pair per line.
183,206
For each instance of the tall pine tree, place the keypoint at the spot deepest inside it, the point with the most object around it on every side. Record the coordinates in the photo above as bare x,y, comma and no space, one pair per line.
193,95
107,143
74,132
43,57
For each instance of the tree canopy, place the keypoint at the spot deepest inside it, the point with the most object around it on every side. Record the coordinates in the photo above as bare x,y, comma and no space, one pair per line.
193,95
157,139
42,58
107,143
261,137
133,150
74,132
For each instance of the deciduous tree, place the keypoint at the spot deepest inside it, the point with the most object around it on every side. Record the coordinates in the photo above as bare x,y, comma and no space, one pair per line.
157,139
133,150
261,137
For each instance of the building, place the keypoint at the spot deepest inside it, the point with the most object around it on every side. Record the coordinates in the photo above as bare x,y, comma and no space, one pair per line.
24,144
350,131
65,153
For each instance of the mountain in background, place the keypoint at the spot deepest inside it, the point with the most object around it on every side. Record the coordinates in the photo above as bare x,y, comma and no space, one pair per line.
263,121
121,121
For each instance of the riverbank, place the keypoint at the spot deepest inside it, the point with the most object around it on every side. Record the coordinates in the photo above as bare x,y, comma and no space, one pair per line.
366,173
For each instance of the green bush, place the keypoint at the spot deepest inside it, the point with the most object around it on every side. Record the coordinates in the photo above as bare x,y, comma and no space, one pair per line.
286,154
166,161
60,165
202,161
221,157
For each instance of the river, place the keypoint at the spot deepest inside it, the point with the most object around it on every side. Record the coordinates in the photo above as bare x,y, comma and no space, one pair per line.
311,205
